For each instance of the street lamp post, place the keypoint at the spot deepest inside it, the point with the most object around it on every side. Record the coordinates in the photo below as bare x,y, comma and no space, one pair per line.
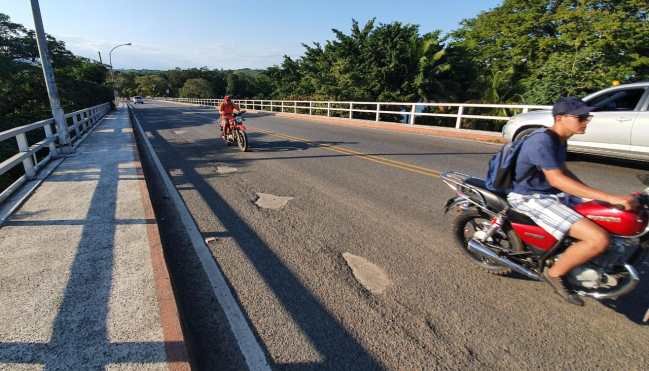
110,61
50,83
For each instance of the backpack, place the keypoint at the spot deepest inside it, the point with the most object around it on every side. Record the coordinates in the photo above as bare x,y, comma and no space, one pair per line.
502,166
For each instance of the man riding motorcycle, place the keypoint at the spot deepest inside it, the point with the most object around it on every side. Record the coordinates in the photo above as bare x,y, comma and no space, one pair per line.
543,189
226,109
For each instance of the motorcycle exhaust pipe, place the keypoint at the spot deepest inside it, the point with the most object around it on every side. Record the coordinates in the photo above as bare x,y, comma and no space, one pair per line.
478,247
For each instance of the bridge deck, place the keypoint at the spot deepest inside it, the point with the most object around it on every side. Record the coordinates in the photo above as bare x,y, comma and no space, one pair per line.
83,282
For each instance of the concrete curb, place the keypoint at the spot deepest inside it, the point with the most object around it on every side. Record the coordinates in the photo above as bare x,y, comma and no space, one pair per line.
175,345
246,340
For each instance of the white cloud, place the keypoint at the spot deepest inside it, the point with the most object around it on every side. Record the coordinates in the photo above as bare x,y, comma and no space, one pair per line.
142,55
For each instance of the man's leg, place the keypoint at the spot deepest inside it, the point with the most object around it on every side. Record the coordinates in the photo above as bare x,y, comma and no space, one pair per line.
592,241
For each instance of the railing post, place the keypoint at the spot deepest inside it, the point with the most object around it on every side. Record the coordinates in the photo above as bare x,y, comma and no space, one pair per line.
310,107
525,109
75,125
458,121
282,106
413,110
351,110
378,111
328,109
271,106
49,134
294,106
28,163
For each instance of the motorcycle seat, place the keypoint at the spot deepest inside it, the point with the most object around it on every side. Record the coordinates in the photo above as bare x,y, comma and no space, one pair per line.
495,201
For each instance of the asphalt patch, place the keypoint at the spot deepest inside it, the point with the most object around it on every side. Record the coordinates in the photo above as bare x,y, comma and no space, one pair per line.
368,274
268,201
226,170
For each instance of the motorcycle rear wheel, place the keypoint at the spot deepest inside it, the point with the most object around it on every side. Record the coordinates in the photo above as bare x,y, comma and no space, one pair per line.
470,221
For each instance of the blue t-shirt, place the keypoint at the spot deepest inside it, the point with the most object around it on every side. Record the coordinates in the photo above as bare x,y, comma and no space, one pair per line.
540,151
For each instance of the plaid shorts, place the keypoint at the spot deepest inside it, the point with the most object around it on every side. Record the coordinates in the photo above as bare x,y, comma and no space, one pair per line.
551,212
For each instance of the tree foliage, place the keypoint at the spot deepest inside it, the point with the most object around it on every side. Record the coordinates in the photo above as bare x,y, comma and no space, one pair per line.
196,88
23,97
538,50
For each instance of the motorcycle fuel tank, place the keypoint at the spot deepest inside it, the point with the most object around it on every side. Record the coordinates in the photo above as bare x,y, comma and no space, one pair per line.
615,221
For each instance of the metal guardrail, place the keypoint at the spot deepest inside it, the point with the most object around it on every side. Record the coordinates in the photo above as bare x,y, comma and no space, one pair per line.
411,110
79,123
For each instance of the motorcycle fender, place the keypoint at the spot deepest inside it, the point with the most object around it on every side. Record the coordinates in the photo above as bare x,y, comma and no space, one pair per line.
456,202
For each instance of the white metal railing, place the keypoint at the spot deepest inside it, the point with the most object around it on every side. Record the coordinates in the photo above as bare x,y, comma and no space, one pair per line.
78,124
458,111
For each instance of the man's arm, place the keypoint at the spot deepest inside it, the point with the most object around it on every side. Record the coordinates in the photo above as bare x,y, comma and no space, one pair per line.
572,175
565,183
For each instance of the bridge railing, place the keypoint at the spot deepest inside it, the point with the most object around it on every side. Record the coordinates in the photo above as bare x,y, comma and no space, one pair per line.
36,155
463,115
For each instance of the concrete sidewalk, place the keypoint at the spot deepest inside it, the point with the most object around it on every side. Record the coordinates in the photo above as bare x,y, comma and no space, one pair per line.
83,283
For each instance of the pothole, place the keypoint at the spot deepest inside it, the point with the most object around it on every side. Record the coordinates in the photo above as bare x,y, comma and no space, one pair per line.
368,274
226,170
268,201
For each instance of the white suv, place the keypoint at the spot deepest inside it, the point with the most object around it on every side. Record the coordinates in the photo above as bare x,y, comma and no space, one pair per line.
137,99
620,125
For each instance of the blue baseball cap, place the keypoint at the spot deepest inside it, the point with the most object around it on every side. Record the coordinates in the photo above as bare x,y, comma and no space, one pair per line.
571,106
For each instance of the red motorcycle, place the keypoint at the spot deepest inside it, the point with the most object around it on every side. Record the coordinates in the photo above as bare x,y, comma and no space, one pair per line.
502,241
234,131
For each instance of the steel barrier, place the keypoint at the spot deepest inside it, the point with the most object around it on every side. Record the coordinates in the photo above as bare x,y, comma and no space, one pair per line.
78,123
411,110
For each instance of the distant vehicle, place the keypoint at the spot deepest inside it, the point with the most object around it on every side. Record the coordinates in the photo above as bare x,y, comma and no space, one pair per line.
137,99
620,125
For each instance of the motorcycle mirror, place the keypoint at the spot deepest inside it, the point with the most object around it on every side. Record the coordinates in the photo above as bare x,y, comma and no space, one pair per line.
644,179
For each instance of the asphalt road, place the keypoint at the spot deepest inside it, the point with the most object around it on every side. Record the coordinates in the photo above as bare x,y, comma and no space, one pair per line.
375,194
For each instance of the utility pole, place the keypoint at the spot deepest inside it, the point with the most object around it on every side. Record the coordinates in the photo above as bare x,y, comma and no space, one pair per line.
50,83
100,62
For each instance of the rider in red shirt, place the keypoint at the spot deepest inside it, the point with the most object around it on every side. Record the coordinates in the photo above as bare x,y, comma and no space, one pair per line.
225,111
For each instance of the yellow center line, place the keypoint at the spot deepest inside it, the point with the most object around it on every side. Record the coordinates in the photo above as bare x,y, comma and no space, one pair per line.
381,160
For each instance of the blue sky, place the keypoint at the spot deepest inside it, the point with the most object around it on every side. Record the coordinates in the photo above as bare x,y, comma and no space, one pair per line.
217,34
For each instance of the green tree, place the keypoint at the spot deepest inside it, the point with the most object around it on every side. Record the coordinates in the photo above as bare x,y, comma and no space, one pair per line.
553,48
23,97
151,85
196,88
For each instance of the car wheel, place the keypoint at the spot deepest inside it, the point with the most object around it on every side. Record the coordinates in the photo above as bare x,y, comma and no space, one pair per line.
523,133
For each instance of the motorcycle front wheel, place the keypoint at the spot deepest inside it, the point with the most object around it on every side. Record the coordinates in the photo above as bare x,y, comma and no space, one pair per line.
242,140
467,223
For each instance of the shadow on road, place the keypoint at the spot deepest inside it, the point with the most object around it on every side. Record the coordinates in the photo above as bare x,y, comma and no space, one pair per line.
635,305
326,334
